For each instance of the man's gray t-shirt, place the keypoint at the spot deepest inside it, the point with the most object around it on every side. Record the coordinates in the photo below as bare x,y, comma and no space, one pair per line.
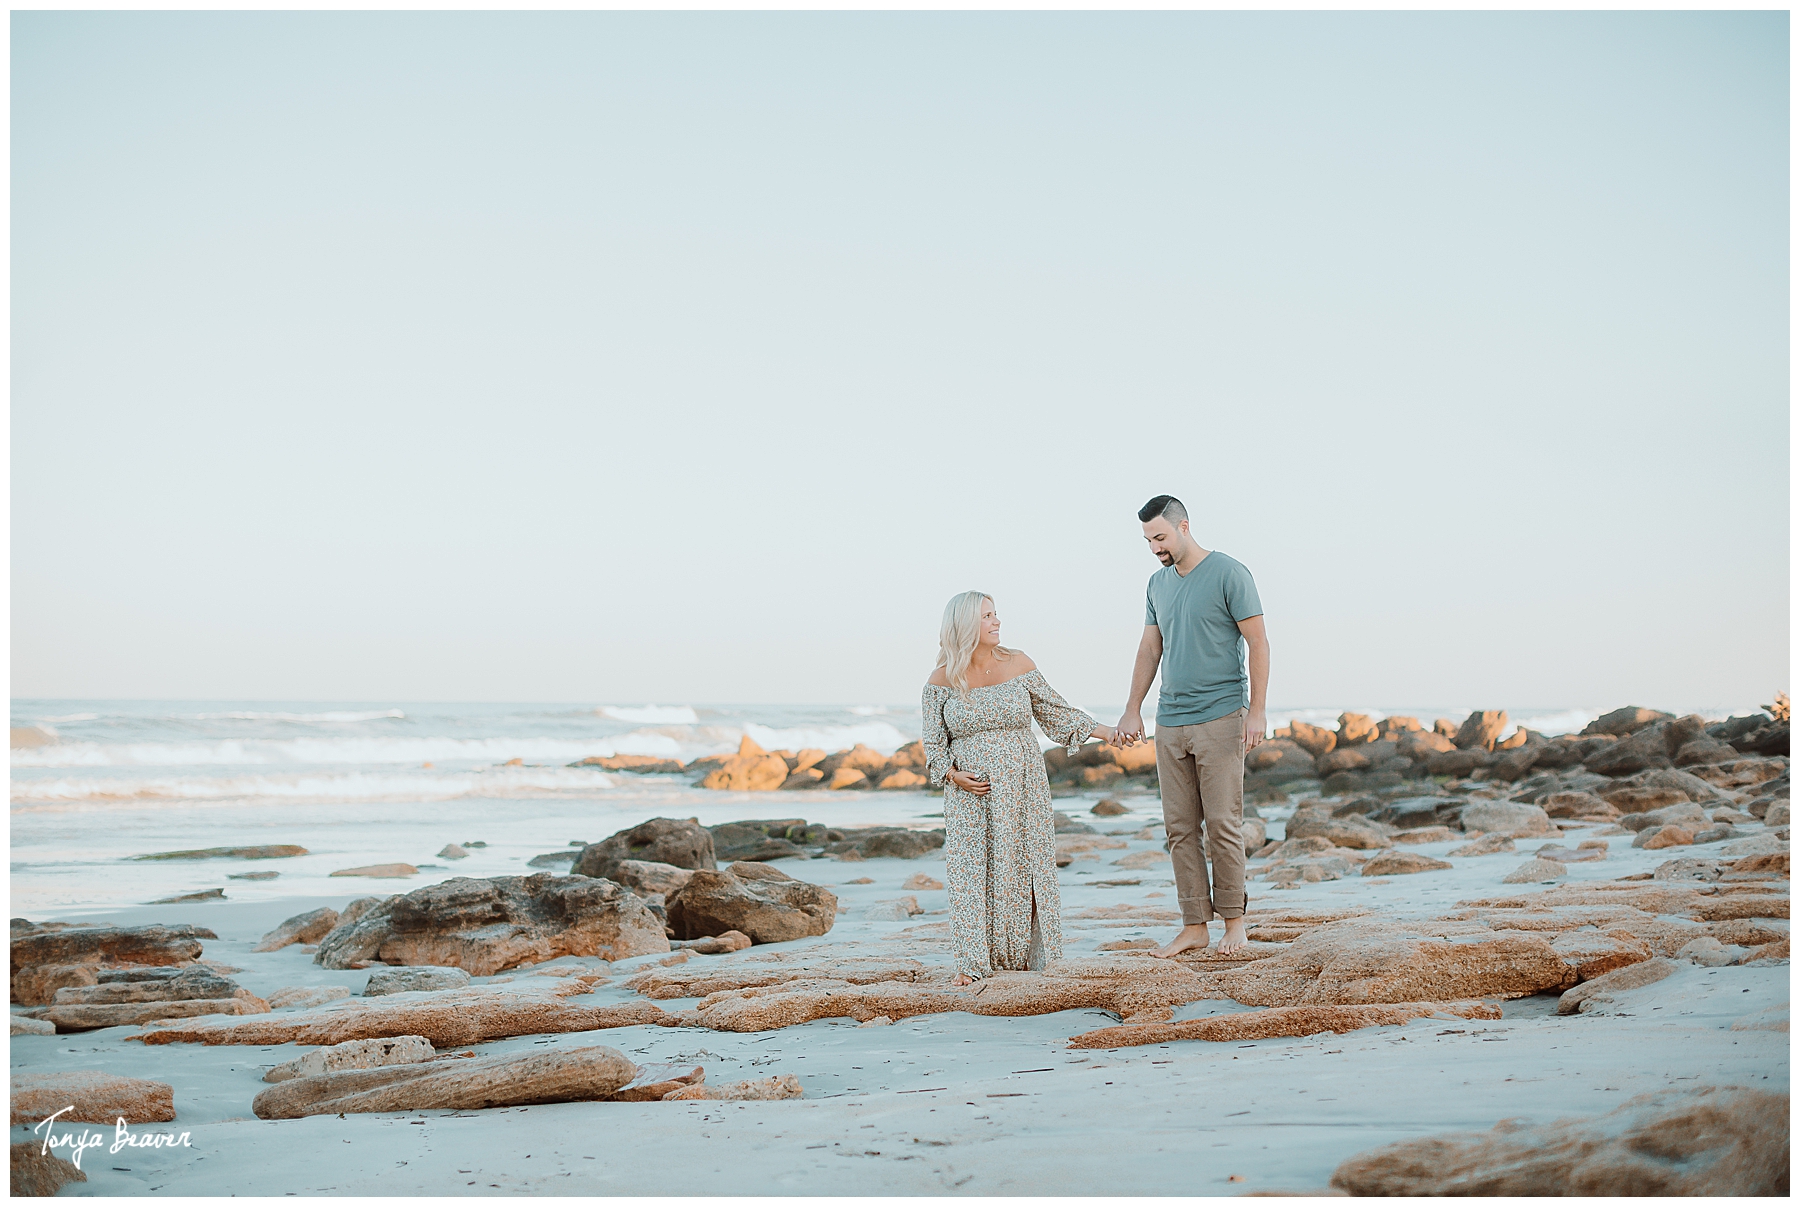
1203,672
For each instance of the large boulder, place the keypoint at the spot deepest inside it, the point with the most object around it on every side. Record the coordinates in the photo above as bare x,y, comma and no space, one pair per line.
1355,728
645,877
752,769
765,903
1705,1140
1643,750
1623,722
1277,760
1350,831
1313,739
1480,730
685,844
512,1079
1509,817
485,926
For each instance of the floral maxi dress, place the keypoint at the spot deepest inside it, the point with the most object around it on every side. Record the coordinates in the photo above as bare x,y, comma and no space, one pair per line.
1000,849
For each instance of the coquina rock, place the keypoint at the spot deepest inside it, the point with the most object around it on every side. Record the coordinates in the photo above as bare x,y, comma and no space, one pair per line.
301,928
1709,1140
1509,817
48,957
356,1054
1355,962
558,1075
531,1006
682,844
1480,731
129,986
1351,831
753,769
485,926
1280,1021
92,1018
95,1097
755,899
38,1174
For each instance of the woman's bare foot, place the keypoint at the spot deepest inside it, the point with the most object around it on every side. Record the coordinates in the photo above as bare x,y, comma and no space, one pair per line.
1235,939
962,981
1191,937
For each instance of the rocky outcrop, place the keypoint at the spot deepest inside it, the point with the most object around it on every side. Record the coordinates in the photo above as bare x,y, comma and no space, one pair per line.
130,986
1599,989
94,1097
92,1018
754,899
449,1019
1357,962
46,958
356,1054
1280,1021
301,928
1127,985
752,769
1480,731
560,1075
36,1173
1703,1141
485,926
682,844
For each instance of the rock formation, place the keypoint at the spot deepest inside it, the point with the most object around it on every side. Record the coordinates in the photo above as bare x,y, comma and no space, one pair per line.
754,899
558,1075
485,926
682,844
1710,1140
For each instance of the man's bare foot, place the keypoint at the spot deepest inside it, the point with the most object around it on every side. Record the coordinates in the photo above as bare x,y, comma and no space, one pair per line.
962,981
1235,939
1191,937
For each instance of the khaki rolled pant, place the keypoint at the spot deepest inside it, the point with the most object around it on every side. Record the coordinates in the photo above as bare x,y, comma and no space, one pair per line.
1201,771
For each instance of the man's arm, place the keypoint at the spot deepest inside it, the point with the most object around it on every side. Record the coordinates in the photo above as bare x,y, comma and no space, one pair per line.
1256,723
1149,655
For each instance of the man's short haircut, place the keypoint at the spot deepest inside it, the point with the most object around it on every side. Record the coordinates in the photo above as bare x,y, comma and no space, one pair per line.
1167,506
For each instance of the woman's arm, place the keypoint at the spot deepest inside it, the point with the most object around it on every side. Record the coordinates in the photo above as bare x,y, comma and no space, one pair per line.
1061,721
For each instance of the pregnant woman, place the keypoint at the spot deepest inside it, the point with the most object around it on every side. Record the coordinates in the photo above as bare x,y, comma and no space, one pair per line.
1000,839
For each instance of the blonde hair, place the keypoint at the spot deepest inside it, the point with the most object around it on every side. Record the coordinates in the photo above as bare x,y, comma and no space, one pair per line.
958,636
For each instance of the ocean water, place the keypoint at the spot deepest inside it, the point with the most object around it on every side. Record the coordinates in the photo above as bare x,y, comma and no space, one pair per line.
361,783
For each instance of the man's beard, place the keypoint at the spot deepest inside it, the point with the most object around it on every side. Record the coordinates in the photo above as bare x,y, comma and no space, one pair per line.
1167,559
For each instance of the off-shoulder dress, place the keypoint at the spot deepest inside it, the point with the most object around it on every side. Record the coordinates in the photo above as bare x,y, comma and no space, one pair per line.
1000,849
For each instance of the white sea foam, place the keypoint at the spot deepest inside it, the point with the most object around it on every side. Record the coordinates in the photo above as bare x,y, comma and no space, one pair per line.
877,735
71,718
651,714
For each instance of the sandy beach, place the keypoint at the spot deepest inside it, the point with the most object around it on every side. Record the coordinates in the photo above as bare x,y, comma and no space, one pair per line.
957,1102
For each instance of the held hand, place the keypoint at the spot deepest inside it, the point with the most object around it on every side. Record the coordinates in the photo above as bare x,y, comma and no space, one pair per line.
1131,727
1256,724
1109,735
968,783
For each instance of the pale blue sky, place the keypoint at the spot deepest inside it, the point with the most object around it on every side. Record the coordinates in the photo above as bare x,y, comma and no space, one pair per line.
699,357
